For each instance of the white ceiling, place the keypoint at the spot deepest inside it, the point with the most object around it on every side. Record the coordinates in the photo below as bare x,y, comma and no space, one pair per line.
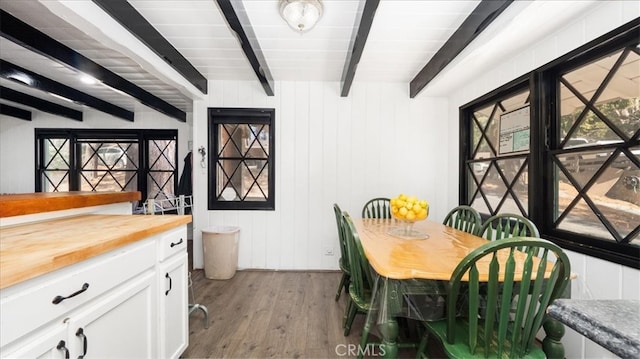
403,37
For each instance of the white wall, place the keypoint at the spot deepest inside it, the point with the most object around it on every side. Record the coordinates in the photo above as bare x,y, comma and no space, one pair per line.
597,279
17,143
329,149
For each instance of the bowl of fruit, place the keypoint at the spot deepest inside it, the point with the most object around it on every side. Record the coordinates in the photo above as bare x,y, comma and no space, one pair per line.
407,210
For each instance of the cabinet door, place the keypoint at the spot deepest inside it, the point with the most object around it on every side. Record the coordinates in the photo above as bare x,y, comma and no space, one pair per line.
174,306
51,343
122,324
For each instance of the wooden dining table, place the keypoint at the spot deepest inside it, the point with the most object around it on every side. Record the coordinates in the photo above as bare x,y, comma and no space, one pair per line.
428,254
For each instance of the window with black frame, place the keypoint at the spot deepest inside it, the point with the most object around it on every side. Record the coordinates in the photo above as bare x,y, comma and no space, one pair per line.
242,159
497,178
579,176
107,160
595,147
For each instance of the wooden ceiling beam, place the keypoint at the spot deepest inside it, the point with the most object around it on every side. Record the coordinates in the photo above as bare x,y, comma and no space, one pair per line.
132,20
473,25
34,40
251,49
39,104
359,39
23,76
9,110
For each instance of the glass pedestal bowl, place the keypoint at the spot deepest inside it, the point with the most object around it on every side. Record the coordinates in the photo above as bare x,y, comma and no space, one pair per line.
404,229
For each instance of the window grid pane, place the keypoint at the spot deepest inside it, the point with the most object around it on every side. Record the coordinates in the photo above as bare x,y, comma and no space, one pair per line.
502,187
600,111
108,160
241,167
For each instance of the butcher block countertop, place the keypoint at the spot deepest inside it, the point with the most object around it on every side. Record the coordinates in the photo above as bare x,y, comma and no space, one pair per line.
30,203
31,250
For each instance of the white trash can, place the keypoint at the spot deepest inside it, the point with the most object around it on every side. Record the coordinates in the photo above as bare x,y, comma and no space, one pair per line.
220,246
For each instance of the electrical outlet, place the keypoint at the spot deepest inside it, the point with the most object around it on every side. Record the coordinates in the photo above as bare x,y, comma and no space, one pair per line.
328,251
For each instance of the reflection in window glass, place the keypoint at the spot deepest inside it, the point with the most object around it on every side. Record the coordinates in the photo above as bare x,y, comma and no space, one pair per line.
594,187
496,184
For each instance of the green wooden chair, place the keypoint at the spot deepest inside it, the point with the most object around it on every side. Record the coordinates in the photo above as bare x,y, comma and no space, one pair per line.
343,262
377,208
508,225
464,218
496,330
361,279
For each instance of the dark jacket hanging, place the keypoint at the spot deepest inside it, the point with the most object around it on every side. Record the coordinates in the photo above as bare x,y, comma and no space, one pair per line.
184,185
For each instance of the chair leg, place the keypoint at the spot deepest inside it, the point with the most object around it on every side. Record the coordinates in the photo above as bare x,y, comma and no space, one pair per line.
346,312
365,337
353,310
421,352
343,283
193,307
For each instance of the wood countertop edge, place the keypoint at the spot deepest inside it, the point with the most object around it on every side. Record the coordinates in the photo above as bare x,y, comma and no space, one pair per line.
12,277
30,203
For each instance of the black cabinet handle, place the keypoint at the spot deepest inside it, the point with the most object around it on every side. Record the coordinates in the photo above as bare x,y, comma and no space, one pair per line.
60,298
80,334
177,243
168,290
62,346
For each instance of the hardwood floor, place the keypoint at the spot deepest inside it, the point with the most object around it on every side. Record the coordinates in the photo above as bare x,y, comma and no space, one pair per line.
268,314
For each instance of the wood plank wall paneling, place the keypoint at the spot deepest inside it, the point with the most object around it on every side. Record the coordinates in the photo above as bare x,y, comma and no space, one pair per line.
329,149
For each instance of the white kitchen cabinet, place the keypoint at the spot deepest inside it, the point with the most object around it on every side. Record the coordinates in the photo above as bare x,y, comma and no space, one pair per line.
120,325
174,306
174,301
101,329
130,302
52,343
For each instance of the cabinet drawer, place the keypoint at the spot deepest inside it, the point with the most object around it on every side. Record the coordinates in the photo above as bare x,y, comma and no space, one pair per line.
172,242
29,305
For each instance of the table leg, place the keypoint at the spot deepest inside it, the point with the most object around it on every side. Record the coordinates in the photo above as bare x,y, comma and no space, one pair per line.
554,331
552,342
389,331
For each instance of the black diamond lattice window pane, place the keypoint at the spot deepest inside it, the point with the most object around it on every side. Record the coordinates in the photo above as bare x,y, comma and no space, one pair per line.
515,172
55,176
55,181
619,100
162,165
243,166
600,107
478,127
616,109
108,166
160,155
495,185
160,186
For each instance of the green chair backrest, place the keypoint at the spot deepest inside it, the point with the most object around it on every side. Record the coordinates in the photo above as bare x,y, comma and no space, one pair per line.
515,307
344,256
464,218
508,225
361,277
377,208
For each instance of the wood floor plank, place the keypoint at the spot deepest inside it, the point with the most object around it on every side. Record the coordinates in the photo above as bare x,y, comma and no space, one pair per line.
271,314
258,318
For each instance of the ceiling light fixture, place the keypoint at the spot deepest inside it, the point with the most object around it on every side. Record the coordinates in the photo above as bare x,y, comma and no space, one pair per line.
301,15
